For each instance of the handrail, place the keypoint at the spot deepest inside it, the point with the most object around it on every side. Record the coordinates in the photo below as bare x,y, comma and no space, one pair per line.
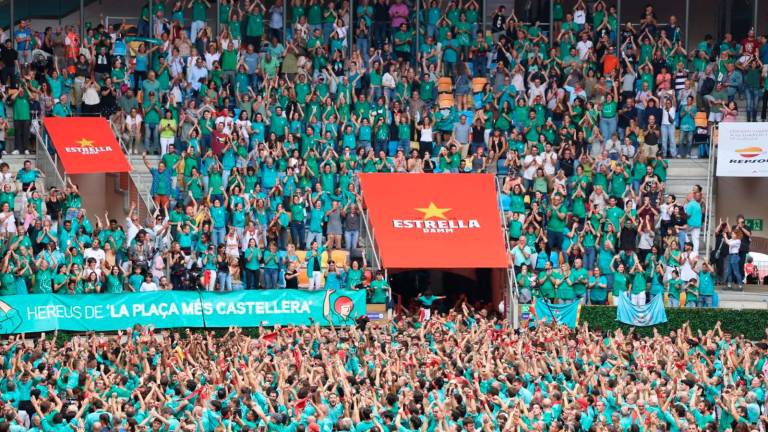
708,216
369,233
42,148
513,289
148,204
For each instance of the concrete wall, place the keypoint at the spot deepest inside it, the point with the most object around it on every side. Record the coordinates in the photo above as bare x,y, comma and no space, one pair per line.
95,186
745,196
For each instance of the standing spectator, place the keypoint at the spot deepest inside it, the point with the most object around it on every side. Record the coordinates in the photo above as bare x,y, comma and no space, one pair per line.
668,121
23,38
22,118
9,58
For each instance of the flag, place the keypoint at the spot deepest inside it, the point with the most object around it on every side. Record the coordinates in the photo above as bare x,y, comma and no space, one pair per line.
564,314
642,316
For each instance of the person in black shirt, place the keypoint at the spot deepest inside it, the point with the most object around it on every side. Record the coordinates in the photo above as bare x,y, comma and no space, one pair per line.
9,58
380,23
498,22
102,66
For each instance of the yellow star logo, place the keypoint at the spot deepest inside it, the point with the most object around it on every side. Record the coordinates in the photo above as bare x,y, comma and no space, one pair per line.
433,211
84,142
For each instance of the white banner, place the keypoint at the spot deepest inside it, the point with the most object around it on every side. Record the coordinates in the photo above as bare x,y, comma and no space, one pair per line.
742,150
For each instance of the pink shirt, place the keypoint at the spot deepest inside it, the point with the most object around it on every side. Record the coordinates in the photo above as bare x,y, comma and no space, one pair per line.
398,13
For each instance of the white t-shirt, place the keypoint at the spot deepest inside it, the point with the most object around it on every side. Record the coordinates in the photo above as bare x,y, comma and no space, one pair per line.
668,116
550,160
584,47
148,287
531,169
580,16
227,122
96,254
133,122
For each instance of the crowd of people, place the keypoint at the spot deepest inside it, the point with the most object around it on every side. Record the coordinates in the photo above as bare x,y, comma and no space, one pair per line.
261,134
465,371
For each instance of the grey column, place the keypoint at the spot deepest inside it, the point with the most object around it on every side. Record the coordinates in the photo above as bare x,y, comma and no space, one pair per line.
754,17
618,30
10,24
82,21
285,21
484,11
350,31
687,18
551,24
418,27
218,18
151,16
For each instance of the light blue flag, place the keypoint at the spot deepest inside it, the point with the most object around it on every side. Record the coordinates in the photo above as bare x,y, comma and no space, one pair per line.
642,316
564,314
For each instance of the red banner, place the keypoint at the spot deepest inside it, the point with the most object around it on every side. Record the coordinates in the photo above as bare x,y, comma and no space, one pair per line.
435,220
86,145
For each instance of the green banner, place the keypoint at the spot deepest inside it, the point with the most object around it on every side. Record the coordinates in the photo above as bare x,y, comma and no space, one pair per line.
171,309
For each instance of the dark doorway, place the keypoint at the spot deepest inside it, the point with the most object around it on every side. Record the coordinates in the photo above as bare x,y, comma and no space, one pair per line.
736,17
411,283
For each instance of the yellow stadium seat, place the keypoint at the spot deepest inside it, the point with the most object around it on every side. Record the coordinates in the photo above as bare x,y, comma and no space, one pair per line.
339,256
478,84
302,255
303,279
445,101
700,119
445,85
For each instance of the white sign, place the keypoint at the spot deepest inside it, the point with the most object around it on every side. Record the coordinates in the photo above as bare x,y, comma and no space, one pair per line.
742,150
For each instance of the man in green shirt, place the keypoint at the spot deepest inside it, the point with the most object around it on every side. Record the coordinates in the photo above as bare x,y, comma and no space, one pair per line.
21,120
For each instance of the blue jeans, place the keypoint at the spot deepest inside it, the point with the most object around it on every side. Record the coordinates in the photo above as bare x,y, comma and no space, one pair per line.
297,233
362,46
686,142
251,279
224,280
673,302
350,239
217,235
608,126
733,271
589,258
270,278
706,301
752,94
150,130
668,140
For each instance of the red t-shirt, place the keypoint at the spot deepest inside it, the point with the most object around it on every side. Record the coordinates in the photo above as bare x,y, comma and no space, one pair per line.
218,142
750,46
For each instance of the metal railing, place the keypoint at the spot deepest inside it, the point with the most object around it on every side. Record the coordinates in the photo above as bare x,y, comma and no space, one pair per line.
144,203
710,215
513,293
369,232
47,160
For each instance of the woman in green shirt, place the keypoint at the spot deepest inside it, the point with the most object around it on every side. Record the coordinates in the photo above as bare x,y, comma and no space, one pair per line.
114,281
608,113
619,283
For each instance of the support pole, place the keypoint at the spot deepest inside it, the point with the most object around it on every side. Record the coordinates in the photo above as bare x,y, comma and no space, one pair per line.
285,22
218,17
11,25
618,29
151,16
350,27
82,21
754,16
417,37
687,18
483,5
551,26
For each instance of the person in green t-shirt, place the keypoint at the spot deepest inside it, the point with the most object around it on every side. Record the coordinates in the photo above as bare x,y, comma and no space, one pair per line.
253,257
674,289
